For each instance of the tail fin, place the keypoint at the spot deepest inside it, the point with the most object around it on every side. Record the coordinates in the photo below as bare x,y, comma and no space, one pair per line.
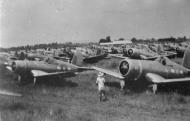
159,49
186,58
77,59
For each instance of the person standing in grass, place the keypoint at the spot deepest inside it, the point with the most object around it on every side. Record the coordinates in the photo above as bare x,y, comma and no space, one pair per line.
101,87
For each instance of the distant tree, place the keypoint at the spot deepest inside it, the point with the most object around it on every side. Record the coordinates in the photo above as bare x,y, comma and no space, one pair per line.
108,38
16,53
185,38
102,40
121,39
153,39
133,40
22,56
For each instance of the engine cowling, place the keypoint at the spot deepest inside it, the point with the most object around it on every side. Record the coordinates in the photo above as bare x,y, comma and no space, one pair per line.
130,69
18,66
130,52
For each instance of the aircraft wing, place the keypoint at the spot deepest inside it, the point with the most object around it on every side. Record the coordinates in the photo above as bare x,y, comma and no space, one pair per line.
148,58
117,56
142,57
9,93
9,68
65,58
112,73
38,73
155,57
84,68
170,53
95,58
154,78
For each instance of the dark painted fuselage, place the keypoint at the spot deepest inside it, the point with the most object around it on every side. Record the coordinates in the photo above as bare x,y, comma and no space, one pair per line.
165,68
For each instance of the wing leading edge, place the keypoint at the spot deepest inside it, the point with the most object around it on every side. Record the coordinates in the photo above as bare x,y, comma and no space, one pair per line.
38,73
112,73
154,78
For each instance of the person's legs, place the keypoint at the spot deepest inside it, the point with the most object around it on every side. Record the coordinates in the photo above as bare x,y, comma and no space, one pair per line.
100,95
104,94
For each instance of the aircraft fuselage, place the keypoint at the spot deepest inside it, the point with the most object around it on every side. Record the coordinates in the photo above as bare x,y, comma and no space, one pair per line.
137,69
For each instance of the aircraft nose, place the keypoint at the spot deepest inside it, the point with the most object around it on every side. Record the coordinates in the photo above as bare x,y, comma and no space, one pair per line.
124,67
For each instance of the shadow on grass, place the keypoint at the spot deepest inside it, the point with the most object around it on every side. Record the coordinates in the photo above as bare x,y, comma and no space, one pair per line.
140,87
180,88
13,106
112,84
51,82
57,83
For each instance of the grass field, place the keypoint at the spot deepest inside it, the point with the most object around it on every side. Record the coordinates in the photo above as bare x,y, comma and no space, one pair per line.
76,99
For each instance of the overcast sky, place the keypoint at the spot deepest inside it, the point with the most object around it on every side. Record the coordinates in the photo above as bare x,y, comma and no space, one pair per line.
43,21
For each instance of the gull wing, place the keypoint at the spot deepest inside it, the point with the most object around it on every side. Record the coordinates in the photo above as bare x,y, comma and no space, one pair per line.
112,73
155,78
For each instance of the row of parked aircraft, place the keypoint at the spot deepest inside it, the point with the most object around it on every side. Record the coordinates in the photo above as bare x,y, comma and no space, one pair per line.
138,67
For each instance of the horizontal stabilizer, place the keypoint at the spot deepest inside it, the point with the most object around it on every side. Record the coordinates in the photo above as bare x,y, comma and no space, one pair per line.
112,73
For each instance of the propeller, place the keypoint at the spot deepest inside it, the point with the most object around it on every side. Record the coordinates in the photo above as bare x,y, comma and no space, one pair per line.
13,66
125,51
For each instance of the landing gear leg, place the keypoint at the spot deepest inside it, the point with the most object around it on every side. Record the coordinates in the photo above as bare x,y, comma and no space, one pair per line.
154,88
34,81
122,85
19,79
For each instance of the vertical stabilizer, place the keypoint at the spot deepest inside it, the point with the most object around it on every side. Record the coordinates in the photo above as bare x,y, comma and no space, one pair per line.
77,59
159,49
186,58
